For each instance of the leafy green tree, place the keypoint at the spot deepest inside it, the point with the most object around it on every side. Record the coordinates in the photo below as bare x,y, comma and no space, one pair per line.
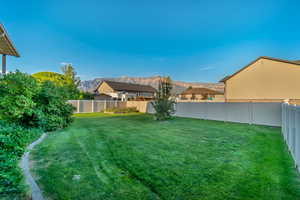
68,80
56,78
163,103
26,102
52,108
16,96
72,81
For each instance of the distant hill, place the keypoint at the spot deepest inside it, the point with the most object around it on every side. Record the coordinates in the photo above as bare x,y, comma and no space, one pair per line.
178,86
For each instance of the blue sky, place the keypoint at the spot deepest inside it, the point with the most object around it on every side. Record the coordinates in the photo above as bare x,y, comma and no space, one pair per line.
188,40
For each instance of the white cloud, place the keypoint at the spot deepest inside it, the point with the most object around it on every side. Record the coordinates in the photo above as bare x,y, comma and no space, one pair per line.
65,63
206,68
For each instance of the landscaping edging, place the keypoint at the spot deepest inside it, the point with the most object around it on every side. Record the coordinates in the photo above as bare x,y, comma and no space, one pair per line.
36,193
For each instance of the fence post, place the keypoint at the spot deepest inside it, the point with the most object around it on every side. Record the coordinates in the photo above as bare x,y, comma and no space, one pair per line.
293,146
287,114
287,124
104,104
92,106
290,127
78,106
283,120
297,138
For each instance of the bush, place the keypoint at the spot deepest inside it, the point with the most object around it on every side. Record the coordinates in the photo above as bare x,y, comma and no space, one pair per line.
13,140
52,109
28,103
16,96
122,110
26,108
86,96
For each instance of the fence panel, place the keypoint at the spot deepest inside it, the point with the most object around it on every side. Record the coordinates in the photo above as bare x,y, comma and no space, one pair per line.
267,113
191,109
238,112
89,106
252,113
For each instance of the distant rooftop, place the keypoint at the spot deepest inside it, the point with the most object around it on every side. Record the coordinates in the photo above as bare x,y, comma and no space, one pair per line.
130,87
201,91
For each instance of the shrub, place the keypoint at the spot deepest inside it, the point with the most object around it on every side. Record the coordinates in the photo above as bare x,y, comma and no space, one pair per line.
163,103
26,107
86,95
16,96
28,103
13,140
52,109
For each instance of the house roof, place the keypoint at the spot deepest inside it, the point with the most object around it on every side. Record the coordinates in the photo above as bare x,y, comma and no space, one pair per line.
128,87
6,45
200,91
296,62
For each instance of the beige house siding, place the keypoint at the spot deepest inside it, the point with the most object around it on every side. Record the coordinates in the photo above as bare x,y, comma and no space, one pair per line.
265,80
219,97
191,96
141,106
201,97
105,89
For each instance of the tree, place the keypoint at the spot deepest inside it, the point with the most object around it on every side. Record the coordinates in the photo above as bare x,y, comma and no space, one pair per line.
26,102
52,108
163,103
68,80
70,75
16,96
72,81
56,78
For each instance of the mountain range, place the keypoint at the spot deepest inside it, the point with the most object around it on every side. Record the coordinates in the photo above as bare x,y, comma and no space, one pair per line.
178,86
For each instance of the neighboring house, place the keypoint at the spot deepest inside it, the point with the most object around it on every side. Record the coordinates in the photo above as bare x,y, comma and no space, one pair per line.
200,94
264,80
125,91
102,97
6,47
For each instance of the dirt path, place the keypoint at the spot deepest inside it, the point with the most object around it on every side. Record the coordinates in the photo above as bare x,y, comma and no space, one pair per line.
35,190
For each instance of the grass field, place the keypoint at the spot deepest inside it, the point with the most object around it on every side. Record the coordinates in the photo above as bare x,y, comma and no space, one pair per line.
134,157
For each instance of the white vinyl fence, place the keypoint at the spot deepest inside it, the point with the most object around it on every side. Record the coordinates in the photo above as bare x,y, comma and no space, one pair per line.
251,113
291,130
89,106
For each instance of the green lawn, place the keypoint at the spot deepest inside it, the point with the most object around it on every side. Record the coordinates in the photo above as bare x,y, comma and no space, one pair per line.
134,157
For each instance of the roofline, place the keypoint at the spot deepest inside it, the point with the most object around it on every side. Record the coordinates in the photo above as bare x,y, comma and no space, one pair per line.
121,82
95,90
261,57
9,42
211,90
